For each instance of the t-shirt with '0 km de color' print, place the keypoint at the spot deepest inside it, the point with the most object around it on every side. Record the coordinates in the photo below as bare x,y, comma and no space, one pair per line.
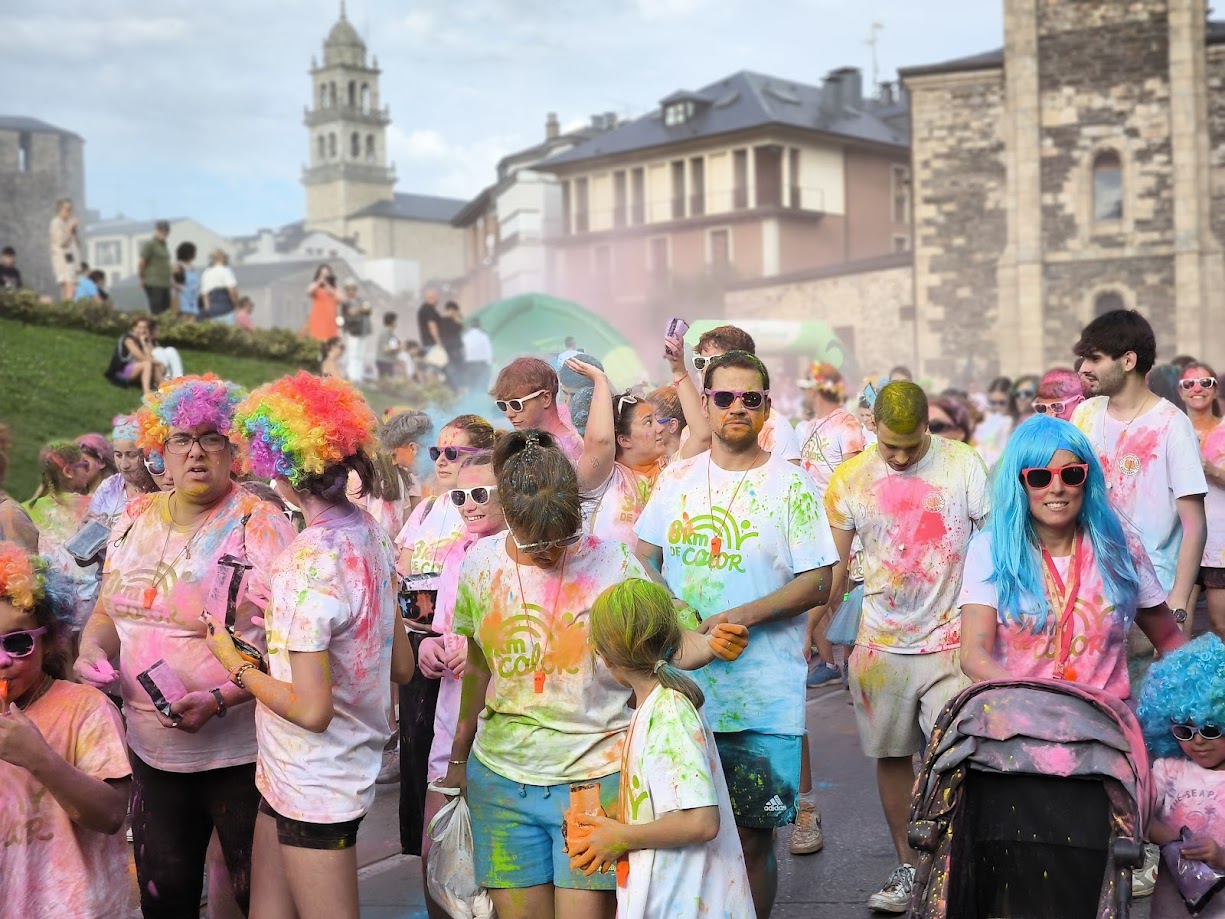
1098,653
333,590
553,713
915,526
671,764
1148,464
747,535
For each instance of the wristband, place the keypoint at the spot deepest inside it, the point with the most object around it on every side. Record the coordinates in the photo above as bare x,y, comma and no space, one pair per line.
679,379
237,672
458,762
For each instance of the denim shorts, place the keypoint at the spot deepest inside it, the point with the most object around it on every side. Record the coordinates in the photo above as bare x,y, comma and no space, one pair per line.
517,832
763,776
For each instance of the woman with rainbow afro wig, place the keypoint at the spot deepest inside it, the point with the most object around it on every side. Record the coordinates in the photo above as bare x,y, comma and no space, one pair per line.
1054,582
205,544
334,644
1182,712
63,762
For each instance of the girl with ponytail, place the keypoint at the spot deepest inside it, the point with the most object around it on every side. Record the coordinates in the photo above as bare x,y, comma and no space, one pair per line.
673,840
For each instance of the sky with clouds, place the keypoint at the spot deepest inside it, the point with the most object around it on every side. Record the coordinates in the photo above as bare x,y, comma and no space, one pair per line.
195,109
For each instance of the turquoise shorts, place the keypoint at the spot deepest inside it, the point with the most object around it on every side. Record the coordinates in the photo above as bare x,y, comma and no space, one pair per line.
517,832
763,776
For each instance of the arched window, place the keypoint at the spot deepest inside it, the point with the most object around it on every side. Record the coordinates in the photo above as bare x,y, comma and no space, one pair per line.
352,94
1107,302
323,147
355,145
366,97
369,148
332,146
1107,187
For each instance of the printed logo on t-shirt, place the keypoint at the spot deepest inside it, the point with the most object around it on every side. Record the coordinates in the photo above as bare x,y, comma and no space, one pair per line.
935,502
713,540
426,557
1130,465
524,644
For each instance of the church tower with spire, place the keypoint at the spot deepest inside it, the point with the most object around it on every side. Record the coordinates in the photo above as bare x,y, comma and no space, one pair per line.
347,130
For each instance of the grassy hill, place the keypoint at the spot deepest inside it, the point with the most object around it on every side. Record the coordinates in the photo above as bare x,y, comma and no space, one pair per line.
51,387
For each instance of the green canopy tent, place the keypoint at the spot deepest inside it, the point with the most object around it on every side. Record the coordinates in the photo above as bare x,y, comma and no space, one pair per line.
538,324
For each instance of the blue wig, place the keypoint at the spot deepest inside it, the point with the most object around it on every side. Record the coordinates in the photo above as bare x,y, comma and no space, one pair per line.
1185,685
1015,556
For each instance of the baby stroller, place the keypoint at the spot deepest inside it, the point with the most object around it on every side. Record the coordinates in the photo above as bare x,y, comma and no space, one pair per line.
1031,804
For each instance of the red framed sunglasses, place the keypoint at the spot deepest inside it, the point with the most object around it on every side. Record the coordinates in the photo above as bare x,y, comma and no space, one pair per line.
1073,475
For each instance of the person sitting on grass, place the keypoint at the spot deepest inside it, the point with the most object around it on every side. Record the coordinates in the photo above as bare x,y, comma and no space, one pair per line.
133,359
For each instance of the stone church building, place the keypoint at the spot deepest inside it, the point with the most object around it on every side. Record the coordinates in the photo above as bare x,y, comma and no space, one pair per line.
1079,169
350,186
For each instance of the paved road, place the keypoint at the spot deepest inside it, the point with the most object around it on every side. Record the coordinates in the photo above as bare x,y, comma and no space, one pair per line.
833,884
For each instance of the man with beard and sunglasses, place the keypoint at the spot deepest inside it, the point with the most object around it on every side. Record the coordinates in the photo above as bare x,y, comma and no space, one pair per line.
777,436
914,501
739,536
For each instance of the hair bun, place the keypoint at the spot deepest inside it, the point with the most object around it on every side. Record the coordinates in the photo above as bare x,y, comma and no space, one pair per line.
531,439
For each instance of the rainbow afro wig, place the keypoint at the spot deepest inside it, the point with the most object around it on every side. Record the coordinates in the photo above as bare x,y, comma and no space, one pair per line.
185,402
23,577
1187,685
300,425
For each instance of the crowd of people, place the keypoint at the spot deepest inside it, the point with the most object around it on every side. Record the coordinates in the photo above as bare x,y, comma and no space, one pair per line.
593,618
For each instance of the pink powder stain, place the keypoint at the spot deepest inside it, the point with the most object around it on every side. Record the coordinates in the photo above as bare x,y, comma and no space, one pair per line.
905,501
1053,759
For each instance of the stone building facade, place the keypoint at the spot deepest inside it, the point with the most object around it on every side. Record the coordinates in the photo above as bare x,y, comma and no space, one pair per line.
1079,169
39,163
868,306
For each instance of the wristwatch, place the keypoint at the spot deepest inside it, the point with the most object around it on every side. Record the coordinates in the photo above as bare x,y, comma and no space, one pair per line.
1180,615
220,702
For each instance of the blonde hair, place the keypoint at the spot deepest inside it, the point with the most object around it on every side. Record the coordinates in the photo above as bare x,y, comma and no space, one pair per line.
634,625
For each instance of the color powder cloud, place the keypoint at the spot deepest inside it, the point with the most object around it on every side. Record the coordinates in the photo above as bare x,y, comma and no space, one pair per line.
299,425
185,402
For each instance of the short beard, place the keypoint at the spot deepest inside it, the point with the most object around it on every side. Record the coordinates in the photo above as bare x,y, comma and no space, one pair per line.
1113,382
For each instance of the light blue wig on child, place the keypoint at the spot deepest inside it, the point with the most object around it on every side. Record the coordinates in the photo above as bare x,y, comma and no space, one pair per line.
1187,685
1015,556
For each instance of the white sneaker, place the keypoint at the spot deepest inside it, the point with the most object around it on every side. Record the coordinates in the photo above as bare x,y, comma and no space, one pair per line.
390,772
894,897
1144,879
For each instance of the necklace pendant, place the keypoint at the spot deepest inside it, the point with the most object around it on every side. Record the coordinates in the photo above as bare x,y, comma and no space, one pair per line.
539,682
716,547
147,597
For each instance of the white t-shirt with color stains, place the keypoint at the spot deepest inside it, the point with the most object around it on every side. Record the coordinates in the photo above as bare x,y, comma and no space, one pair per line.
671,764
1212,449
1149,464
1191,796
553,713
333,590
826,443
733,537
915,527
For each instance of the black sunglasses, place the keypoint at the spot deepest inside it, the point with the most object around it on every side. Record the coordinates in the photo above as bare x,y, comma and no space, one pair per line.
1073,476
1187,732
451,453
20,644
480,494
751,398
941,427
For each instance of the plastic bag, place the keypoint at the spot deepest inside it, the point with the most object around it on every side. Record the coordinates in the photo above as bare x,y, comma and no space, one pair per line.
450,871
843,628
1196,881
